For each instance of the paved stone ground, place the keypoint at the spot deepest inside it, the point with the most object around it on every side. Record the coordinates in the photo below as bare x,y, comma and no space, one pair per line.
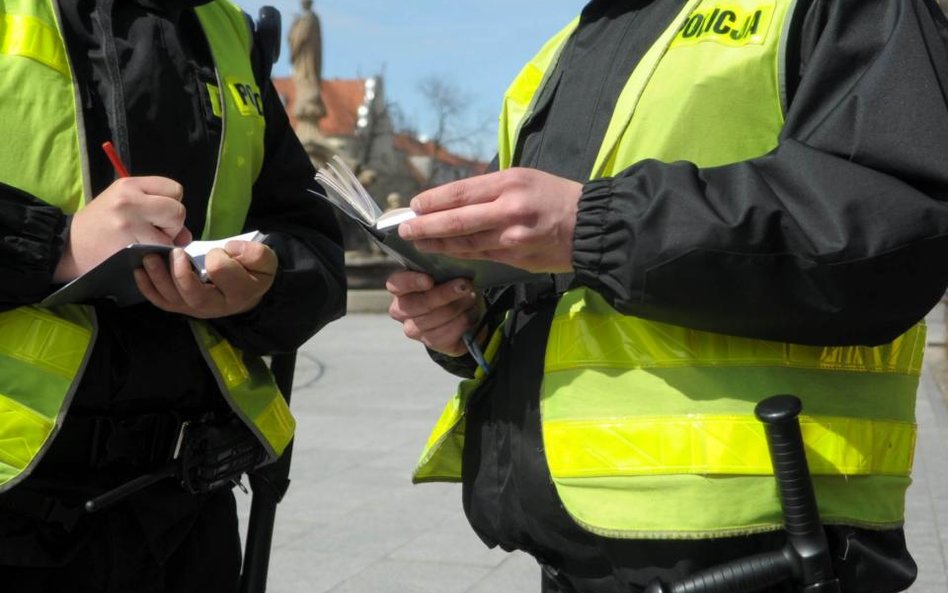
365,399
927,508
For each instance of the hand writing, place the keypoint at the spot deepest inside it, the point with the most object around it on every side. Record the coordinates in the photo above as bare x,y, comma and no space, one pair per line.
131,210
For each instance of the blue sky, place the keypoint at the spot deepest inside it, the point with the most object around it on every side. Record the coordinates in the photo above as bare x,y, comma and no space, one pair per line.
477,47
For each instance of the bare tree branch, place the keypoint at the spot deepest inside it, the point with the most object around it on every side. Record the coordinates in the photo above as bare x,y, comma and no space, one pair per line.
455,129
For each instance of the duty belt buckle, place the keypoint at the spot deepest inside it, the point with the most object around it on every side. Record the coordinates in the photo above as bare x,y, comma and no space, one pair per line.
165,438
182,432
144,440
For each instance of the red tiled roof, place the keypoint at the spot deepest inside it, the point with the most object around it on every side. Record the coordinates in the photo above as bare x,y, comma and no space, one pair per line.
414,147
342,99
287,91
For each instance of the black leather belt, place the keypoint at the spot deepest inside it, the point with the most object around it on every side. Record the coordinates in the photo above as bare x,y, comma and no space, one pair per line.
144,440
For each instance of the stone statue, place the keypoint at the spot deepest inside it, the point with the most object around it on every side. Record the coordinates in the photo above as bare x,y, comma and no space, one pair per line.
306,53
366,265
393,200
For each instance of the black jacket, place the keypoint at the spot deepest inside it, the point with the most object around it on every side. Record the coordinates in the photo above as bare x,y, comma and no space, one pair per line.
838,236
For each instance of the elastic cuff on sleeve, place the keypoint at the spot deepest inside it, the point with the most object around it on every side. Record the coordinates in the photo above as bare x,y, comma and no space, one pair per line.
589,236
31,247
37,244
461,366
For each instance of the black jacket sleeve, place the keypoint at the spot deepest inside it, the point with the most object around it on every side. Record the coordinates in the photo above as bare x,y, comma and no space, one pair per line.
309,290
838,236
30,248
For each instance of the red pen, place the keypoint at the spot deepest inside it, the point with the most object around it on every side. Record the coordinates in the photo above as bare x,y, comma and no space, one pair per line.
114,158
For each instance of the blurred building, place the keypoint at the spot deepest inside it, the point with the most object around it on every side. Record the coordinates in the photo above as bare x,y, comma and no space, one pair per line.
357,126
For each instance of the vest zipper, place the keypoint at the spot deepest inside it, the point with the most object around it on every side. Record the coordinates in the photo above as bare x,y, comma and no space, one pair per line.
115,111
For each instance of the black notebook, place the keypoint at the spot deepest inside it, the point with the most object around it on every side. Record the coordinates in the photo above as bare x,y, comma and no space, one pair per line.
348,196
113,279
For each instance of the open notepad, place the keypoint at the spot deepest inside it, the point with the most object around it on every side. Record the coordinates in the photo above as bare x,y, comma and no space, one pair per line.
349,197
113,279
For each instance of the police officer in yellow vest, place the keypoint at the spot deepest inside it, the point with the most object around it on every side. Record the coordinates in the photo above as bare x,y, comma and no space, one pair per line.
93,395
733,200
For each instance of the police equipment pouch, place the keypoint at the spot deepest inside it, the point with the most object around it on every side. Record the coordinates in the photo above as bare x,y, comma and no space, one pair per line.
210,453
216,454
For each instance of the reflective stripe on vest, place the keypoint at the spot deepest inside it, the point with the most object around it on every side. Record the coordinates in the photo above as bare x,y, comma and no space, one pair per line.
42,355
636,412
43,351
250,389
38,110
31,37
632,408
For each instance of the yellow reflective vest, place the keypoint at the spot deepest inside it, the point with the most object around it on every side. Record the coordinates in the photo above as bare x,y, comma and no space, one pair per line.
648,428
43,351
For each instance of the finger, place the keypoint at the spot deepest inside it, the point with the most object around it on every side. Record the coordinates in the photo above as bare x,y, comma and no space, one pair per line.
254,256
447,338
475,243
473,190
465,306
192,292
150,219
148,234
157,186
164,213
183,238
156,200
412,305
226,272
241,290
148,290
405,282
156,268
463,221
